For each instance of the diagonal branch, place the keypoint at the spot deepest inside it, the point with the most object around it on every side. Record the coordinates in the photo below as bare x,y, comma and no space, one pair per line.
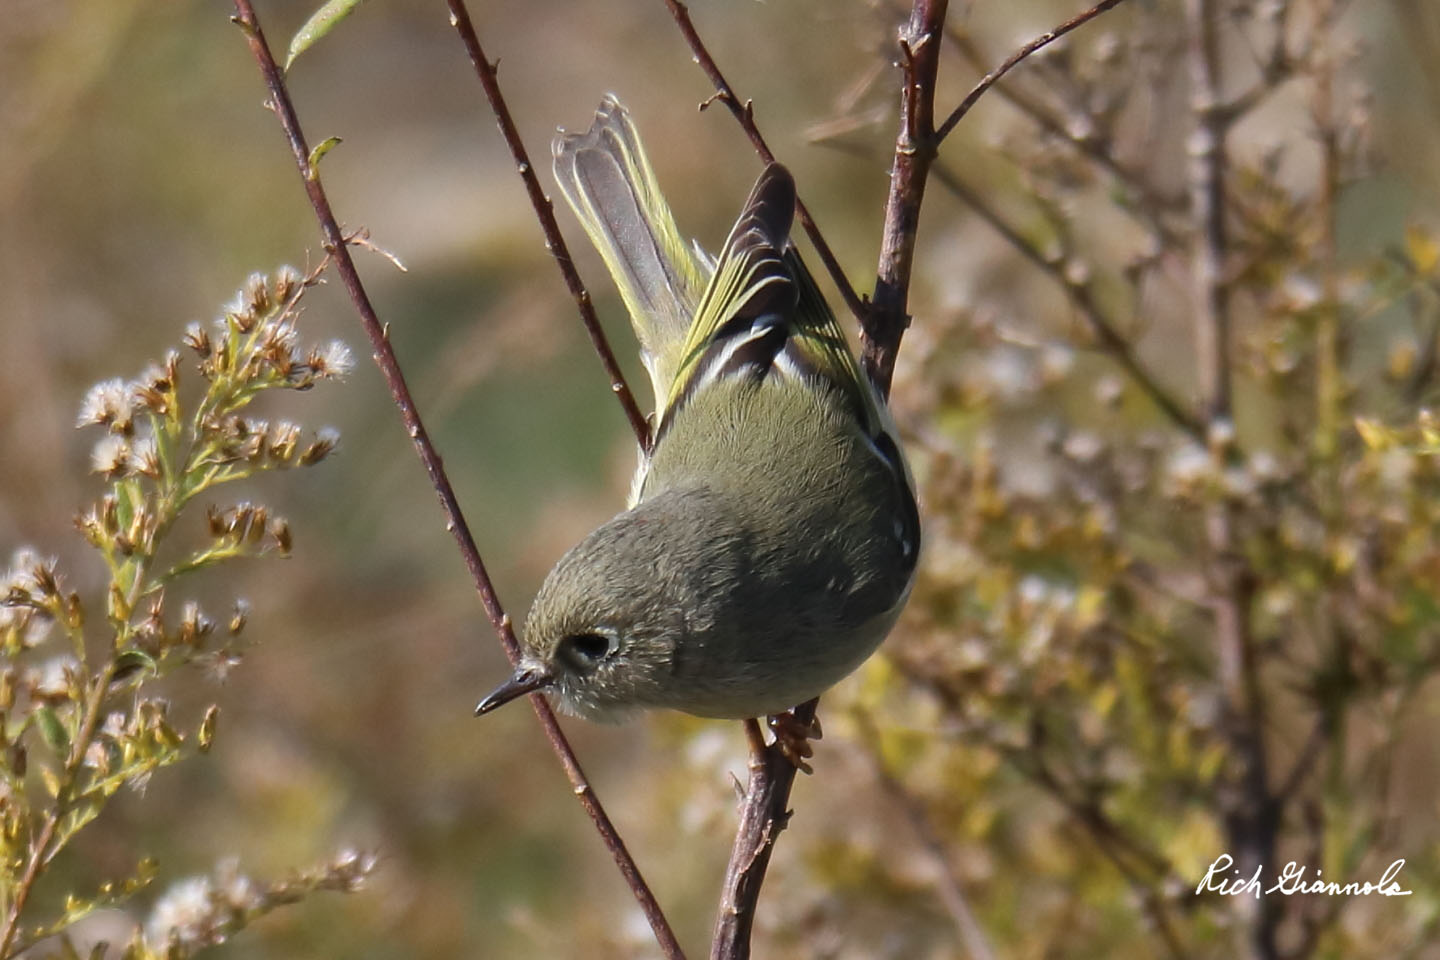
545,213
744,112
1045,39
385,358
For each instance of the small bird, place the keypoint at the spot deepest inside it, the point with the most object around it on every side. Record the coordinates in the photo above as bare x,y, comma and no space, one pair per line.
772,533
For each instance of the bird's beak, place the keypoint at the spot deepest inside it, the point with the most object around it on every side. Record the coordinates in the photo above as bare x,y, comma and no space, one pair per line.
528,678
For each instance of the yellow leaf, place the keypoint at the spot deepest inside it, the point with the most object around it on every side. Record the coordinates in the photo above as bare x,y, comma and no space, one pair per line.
1375,436
1422,248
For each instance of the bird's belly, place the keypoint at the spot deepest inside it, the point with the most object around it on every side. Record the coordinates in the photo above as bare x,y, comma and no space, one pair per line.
759,683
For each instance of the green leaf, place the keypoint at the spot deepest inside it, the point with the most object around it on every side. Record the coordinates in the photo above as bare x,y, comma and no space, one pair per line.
321,22
319,150
207,729
134,661
53,731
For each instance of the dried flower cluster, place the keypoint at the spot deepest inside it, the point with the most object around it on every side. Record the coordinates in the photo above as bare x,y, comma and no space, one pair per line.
77,722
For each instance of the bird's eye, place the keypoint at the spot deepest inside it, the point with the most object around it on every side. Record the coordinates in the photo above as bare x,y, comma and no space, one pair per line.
588,649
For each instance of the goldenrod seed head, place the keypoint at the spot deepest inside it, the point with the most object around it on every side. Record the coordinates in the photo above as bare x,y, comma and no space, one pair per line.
145,457
216,521
280,530
238,617
257,294
324,444
197,339
284,439
332,361
53,680
287,283
111,456
109,403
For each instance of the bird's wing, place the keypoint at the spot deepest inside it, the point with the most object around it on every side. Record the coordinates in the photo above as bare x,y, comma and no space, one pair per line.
762,313
607,179
743,318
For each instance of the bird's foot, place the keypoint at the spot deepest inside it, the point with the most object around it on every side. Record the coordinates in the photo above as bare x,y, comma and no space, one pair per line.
793,736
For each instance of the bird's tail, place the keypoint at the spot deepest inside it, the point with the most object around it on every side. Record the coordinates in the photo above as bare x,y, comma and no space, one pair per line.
607,179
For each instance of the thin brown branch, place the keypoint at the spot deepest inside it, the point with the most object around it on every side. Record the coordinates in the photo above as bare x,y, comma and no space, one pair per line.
915,150
34,863
1106,333
545,214
744,113
1045,39
1315,743
389,365
764,812
1207,206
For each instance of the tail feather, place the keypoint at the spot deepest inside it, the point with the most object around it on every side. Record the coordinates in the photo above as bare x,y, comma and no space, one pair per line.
606,177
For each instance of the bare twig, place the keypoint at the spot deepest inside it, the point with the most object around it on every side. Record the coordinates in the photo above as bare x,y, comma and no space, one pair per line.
915,149
384,356
744,112
987,81
1207,206
764,812
1251,812
1315,743
545,213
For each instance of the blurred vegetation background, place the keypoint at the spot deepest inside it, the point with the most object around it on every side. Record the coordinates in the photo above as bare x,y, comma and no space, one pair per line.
141,180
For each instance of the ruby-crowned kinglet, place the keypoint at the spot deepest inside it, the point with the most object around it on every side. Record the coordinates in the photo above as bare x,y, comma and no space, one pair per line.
772,534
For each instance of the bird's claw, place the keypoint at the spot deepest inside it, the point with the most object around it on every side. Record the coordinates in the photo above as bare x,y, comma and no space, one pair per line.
793,736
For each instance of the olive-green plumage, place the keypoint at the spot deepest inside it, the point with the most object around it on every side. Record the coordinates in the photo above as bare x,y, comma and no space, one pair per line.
773,533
